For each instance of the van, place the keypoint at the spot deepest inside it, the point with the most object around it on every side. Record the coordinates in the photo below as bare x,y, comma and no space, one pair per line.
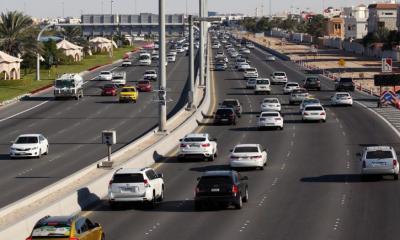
145,59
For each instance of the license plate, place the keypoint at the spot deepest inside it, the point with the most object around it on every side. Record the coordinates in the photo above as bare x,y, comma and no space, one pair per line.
379,163
224,120
195,145
314,113
214,189
127,189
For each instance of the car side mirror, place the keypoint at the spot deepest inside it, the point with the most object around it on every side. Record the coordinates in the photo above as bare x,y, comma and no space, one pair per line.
244,178
264,150
258,116
180,140
213,139
231,150
198,179
160,175
96,225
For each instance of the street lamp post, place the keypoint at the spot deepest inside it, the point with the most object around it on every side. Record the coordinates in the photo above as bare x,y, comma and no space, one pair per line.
162,69
202,25
37,54
191,64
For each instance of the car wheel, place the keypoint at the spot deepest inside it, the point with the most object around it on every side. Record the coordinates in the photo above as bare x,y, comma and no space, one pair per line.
113,205
153,201
281,128
47,150
103,237
323,120
234,122
40,154
239,203
262,167
161,198
246,195
198,206
396,177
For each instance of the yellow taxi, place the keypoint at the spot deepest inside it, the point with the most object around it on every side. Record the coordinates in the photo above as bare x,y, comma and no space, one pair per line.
128,94
67,228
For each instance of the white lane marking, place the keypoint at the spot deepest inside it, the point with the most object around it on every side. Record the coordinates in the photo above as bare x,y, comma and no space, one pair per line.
348,165
294,135
342,202
341,126
337,119
344,134
348,152
283,166
26,110
336,225
275,182
288,154
291,143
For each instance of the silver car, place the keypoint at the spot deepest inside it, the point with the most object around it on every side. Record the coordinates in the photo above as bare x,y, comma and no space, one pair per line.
298,95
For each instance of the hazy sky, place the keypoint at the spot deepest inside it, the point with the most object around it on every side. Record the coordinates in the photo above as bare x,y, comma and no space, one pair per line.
53,8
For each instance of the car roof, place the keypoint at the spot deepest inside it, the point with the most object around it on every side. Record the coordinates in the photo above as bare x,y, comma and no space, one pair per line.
377,148
279,72
224,108
58,219
342,93
129,87
30,135
218,173
248,145
230,99
314,105
292,83
271,98
131,170
196,135
271,111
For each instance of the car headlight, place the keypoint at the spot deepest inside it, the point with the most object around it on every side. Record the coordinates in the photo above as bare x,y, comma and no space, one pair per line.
34,148
13,149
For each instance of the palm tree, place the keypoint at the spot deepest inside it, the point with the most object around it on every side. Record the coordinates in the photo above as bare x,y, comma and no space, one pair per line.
71,34
14,31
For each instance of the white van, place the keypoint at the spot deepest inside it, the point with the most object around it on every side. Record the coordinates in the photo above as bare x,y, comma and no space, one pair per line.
145,59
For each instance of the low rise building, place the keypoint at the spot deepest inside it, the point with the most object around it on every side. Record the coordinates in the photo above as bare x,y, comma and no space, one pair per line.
382,15
334,27
355,22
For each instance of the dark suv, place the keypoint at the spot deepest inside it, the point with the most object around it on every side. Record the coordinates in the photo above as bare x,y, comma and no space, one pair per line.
233,103
345,84
312,82
225,115
221,187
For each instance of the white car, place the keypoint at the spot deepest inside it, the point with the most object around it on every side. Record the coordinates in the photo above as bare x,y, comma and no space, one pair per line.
308,101
251,83
314,112
270,119
119,78
342,98
248,155
298,95
180,49
250,73
150,75
379,160
173,52
270,104
234,54
263,85
197,145
29,145
105,75
239,62
250,45
278,78
215,46
171,58
244,51
142,185
242,67
126,63
290,86
270,57
155,56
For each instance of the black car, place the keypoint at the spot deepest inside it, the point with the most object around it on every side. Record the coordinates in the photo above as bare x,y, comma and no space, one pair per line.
233,103
221,187
225,115
345,84
312,83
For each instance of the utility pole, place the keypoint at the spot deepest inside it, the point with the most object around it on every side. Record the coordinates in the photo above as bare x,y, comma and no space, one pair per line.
162,69
111,3
191,65
201,49
270,9
63,9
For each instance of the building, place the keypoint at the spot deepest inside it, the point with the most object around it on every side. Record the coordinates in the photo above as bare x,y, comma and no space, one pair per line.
334,27
331,12
355,22
382,15
133,25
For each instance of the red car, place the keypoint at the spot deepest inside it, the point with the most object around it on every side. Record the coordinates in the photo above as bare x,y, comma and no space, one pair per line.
109,90
144,86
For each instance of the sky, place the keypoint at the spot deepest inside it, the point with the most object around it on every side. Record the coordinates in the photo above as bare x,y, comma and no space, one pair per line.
58,8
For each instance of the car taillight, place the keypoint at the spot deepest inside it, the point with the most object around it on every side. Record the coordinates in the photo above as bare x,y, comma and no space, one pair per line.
364,165
29,238
255,157
146,183
235,189
278,119
183,145
394,163
73,238
109,183
322,113
234,157
305,113
205,145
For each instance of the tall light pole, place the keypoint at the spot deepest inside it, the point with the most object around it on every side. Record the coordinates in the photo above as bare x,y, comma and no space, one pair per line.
37,54
111,4
191,64
162,69
202,25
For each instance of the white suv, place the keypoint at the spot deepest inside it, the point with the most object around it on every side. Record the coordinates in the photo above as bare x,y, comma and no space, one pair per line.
271,104
279,78
136,185
248,155
262,86
105,75
198,145
379,160
250,73
314,112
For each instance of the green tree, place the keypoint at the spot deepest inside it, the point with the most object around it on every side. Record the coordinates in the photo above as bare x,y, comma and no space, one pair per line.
71,34
316,26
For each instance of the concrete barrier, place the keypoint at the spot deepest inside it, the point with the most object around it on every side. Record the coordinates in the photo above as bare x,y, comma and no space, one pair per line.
84,196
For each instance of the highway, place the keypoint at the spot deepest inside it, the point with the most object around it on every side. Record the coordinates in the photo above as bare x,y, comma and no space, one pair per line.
310,189
73,128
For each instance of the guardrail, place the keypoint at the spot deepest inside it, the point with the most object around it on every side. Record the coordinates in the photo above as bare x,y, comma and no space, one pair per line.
83,196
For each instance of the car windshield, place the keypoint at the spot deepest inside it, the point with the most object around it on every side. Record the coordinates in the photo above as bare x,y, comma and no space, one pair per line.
312,80
230,103
271,100
128,90
64,83
251,70
342,95
245,149
109,86
105,73
209,180
314,108
224,111
128,178
194,139
280,74
379,154
27,140
52,230
262,82
270,115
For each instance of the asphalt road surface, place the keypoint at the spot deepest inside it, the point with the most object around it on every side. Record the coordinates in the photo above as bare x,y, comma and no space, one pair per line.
310,189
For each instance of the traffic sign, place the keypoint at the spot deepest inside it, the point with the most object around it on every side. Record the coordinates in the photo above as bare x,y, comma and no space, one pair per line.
342,62
387,65
389,97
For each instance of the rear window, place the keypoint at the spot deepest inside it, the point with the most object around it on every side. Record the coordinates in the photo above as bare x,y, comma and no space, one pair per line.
270,101
109,86
208,180
52,230
299,91
280,74
292,85
312,80
311,101
224,111
346,80
342,95
314,108
270,115
128,178
118,77
194,139
245,149
143,82
262,82
379,154
150,72
128,90
230,103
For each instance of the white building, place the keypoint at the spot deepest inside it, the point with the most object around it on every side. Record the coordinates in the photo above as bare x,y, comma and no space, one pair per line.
331,12
355,22
382,15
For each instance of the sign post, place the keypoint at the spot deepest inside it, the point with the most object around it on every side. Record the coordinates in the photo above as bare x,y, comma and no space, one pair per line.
109,137
387,65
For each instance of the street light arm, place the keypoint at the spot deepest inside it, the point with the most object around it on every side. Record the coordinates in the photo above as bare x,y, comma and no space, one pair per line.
44,29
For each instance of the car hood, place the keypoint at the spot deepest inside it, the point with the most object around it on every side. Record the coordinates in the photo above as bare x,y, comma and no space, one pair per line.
24,145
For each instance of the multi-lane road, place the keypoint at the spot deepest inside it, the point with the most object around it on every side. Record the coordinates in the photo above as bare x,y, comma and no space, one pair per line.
310,188
73,128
